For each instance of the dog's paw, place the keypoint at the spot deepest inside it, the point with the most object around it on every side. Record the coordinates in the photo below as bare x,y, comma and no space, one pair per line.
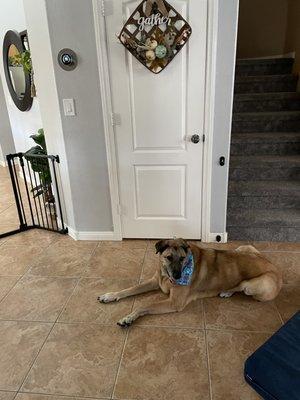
108,298
126,321
226,295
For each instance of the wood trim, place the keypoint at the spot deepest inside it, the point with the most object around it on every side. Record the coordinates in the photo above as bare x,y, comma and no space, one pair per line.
211,60
100,34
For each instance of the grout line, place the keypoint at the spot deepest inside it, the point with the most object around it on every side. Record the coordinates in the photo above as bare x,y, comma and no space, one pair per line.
119,366
278,312
128,330
207,351
66,396
6,295
43,344
34,359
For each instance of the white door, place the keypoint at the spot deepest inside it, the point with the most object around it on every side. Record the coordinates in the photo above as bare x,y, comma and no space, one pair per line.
159,168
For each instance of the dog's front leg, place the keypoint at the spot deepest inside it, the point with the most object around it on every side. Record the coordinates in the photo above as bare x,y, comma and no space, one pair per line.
147,286
162,307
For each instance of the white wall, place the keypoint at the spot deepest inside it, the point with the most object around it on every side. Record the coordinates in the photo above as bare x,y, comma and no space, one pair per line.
226,52
23,124
6,139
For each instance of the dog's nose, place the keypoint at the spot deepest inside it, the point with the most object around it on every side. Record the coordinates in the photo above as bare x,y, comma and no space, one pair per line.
177,275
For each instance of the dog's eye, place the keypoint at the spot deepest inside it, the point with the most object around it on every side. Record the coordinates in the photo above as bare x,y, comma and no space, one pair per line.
182,258
170,258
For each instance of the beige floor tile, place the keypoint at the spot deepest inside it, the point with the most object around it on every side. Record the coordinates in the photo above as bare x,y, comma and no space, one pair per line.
62,259
116,263
228,352
7,395
77,360
163,364
4,228
6,283
30,396
241,312
84,307
288,301
37,298
16,260
35,238
9,215
220,246
190,317
126,244
289,263
19,344
277,246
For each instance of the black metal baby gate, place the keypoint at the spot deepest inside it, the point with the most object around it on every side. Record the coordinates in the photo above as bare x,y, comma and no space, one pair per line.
34,180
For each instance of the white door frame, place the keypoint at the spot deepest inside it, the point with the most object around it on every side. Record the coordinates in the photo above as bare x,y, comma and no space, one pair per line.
212,36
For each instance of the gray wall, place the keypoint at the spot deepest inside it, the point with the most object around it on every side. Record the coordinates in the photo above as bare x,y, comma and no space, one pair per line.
228,11
7,145
71,25
23,124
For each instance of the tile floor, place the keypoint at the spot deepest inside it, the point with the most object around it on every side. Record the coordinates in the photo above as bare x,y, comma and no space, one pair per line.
57,342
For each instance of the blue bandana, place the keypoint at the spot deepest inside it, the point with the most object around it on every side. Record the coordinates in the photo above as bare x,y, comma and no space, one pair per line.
187,271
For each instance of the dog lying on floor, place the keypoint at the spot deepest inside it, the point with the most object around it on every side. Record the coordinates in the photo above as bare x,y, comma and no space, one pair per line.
187,273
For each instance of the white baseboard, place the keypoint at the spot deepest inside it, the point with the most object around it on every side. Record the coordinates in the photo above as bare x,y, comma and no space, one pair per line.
212,237
83,235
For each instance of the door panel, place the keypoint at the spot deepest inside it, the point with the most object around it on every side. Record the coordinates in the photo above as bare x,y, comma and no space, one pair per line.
160,169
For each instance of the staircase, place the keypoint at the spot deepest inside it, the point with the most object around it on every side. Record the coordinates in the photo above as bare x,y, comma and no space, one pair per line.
264,179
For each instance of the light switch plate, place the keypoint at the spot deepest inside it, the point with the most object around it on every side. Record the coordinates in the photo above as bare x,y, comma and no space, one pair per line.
69,107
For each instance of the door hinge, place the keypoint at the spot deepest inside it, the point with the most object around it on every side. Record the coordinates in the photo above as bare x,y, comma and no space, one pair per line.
107,7
115,119
203,138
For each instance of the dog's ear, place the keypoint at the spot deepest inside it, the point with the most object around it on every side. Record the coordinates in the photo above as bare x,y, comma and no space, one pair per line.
184,244
161,246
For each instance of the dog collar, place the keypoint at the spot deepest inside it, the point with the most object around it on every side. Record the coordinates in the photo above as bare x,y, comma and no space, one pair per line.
187,271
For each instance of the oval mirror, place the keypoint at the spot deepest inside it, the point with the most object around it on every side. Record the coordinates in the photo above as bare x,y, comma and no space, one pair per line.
18,80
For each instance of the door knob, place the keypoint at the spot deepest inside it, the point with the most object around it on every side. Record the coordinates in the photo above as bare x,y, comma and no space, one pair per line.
195,139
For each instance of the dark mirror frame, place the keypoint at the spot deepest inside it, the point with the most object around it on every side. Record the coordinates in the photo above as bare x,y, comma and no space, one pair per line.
14,38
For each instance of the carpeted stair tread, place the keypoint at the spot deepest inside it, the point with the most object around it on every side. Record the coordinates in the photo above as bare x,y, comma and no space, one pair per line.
267,161
264,218
263,61
268,66
254,116
266,96
266,137
265,188
266,83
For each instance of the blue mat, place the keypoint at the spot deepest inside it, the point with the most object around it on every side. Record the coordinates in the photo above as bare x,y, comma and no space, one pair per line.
273,371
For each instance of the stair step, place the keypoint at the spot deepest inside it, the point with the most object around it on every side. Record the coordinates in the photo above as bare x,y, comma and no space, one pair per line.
283,121
267,66
260,168
268,83
265,143
264,102
263,195
267,225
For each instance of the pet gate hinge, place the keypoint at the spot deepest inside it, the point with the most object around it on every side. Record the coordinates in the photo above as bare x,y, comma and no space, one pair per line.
106,7
115,119
203,138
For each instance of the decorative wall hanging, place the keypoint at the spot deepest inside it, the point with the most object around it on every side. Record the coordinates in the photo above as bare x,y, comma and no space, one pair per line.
155,33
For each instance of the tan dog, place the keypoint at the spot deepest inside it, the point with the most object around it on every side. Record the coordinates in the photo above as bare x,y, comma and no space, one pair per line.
215,272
